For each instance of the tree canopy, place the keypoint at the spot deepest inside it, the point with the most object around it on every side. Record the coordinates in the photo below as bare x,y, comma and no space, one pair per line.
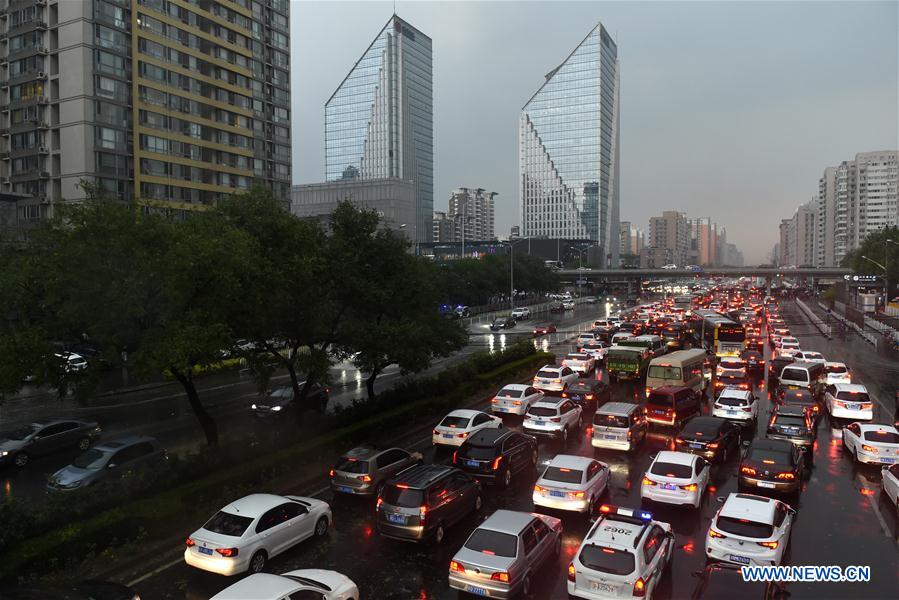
876,247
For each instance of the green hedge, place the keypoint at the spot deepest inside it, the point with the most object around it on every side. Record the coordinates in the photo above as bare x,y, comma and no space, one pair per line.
71,527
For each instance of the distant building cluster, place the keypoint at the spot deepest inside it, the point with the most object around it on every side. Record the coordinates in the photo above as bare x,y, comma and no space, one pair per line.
676,239
855,198
470,215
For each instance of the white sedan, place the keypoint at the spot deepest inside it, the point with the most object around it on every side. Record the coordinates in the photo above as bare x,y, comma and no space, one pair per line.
554,379
245,534
515,399
836,372
810,356
521,313
872,443
891,483
750,530
459,424
572,483
581,363
676,478
848,401
316,583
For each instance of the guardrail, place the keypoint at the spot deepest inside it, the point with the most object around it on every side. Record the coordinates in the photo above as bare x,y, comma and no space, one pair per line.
871,339
536,309
816,321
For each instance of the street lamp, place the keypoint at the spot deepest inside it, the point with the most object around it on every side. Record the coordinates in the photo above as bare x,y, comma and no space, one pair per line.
885,282
580,266
886,273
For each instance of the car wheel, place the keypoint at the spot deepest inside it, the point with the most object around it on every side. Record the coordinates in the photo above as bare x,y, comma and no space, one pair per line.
507,477
257,563
21,459
478,503
84,443
321,527
439,534
591,506
526,586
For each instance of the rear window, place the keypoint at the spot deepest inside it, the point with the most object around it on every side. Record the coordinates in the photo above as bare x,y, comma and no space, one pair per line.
543,411
789,421
704,429
227,524
660,372
351,465
461,422
667,469
882,437
660,400
580,388
836,369
507,393
745,527
548,374
563,475
610,421
853,396
607,560
478,452
403,497
794,374
494,543
577,357
728,401
763,454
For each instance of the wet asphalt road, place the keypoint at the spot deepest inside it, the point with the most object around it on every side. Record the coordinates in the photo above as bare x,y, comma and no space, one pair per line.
843,518
163,413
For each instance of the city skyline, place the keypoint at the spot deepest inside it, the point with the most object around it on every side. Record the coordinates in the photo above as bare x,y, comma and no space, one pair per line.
747,118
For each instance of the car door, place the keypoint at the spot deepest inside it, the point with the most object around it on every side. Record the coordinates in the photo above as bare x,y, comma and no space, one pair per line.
51,438
532,395
269,531
512,451
852,433
654,555
480,421
597,479
298,523
701,472
545,539
391,462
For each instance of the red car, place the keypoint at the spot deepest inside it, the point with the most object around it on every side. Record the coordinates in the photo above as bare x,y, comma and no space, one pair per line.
544,329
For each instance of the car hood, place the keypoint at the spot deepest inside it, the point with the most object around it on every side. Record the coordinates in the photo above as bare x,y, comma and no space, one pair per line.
10,445
70,474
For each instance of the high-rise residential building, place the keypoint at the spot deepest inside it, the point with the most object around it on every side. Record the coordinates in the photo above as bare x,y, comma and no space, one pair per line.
171,103
474,209
787,231
631,239
568,149
444,227
703,246
797,236
379,123
670,231
855,198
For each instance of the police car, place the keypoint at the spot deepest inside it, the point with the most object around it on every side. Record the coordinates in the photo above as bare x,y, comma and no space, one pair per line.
623,556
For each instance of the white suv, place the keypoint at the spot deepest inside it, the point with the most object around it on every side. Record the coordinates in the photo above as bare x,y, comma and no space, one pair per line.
515,399
750,530
836,372
737,405
848,401
554,379
624,555
521,313
554,419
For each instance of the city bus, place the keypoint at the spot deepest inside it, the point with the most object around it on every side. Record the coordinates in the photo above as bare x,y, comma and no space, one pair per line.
718,333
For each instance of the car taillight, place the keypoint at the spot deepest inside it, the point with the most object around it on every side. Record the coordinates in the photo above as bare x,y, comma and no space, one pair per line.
589,396
190,542
747,409
571,572
772,545
576,494
500,576
713,445
556,419
379,503
331,473
648,481
455,455
786,475
364,478
435,432
690,488
462,435
456,567
496,462
867,406
715,534
639,588
227,552
747,470
422,512
629,433
557,381
516,402
647,391
539,489
868,448
564,394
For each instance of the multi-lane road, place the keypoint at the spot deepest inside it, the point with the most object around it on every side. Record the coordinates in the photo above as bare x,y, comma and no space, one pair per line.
842,517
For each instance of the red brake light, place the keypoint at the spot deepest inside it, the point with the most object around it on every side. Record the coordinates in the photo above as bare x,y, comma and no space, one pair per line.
331,473
227,552
772,545
365,478
422,512
379,503
605,508
455,454
500,576
690,488
715,534
648,481
456,567
747,470
496,462
571,572
190,542
639,588
868,448
786,476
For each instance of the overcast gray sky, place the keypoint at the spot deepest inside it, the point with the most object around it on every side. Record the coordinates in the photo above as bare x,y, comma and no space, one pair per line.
728,109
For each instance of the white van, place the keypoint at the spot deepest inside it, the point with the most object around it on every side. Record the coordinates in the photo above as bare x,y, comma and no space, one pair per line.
654,343
806,375
680,368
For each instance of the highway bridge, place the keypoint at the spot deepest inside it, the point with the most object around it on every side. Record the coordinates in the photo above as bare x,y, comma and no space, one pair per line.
766,272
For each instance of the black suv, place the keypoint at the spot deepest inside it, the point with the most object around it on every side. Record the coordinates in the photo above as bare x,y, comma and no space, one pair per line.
712,438
792,423
424,500
496,455
502,323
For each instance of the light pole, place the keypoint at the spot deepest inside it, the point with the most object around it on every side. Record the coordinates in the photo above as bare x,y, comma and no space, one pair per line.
886,274
886,290
580,267
512,271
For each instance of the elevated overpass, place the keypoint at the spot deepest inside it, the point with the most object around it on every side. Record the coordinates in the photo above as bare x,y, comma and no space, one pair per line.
735,272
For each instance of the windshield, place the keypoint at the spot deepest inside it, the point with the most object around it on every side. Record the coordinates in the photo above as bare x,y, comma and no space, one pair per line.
227,524
493,543
509,393
351,465
543,411
563,475
731,333
882,437
610,421
794,374
789,421
607,560
580,388
403,497
667,469
548,374
662,372
745,527
455,422
853,396
763,454
836,369
18,434
730,401
92,459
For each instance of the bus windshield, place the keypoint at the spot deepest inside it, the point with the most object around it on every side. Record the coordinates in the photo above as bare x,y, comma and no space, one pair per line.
731,333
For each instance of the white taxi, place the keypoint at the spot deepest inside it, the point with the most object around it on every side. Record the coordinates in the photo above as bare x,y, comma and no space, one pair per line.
624,555
459,424
872,443
554,379
573,483
676,478
515,399
581,363
750,530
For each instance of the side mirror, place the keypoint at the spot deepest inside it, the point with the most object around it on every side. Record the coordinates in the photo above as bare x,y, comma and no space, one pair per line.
111,466
746,444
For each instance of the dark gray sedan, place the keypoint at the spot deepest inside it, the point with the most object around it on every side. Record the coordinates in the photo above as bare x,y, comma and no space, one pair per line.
114,458
19,445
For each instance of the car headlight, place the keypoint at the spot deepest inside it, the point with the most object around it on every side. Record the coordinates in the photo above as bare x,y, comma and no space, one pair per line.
4,453
276,408
253,407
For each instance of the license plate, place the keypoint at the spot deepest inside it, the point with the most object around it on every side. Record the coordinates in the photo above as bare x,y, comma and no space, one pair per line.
852,406
344,489
765,484
575,397
477,591
557,494
540,422
731,413
669,486
448,436
602,587
695,445
888,460
472,463
739,559
203,550
393,518
502,410
610,437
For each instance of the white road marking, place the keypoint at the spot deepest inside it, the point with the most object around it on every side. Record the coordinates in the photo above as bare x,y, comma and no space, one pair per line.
155,571
875,508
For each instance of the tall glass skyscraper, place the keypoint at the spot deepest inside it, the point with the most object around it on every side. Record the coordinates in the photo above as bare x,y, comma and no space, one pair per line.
380,121
568,149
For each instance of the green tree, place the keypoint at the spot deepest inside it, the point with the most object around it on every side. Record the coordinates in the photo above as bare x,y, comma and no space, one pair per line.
877,248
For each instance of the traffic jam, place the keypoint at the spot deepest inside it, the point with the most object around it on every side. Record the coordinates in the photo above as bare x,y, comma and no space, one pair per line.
670,445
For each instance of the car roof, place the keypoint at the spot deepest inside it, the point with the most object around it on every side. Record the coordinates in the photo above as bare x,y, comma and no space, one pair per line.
706,422
551,368
570,461
790,410
54,420
420,476
734,392
804,364
678,458
363,452
507,521
488,436
850,387
255,504
616,536
621,409
259,585
743,506
834,363
776,445
513,386
549,403
877,427
125,440
464,412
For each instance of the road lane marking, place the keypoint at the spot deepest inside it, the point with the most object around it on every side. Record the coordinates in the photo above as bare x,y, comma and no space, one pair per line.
875,508
155,571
